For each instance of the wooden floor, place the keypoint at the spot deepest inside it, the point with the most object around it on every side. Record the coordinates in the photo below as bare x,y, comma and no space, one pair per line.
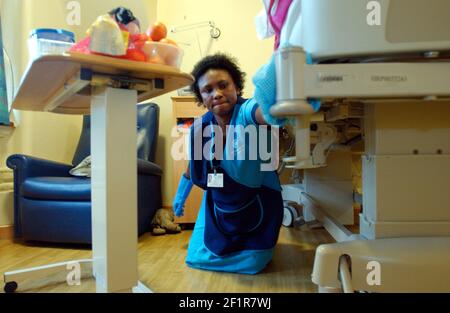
162,266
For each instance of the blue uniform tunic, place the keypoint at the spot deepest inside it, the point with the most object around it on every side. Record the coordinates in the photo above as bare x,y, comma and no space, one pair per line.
237,225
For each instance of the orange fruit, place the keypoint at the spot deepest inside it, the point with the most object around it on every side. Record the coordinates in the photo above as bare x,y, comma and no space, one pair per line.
169,41
156,59
138,37
135,55
137,41
157,31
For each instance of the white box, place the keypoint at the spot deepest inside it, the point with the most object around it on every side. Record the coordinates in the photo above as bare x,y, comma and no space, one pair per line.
407,188
396,128
406,193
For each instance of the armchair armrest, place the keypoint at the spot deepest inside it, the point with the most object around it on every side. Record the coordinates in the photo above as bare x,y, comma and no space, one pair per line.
148,168
27,166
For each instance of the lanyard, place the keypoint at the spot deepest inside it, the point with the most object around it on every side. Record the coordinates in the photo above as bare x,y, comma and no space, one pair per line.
213,146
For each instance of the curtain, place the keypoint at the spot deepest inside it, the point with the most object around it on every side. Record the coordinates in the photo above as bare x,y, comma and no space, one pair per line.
4,114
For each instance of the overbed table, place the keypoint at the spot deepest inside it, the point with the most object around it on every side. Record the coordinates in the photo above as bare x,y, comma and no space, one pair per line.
108,89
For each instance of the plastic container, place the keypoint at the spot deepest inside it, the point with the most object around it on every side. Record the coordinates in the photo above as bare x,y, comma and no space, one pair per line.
163,53
45,41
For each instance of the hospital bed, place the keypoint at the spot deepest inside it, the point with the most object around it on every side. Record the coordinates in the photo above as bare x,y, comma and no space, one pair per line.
381,70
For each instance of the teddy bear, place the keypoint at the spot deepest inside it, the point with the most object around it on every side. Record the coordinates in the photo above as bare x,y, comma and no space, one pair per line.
163,222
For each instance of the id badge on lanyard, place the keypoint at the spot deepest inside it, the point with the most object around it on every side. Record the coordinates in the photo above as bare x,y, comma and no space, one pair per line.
215,180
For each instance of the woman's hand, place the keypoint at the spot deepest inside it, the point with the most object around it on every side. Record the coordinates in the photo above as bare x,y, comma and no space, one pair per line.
265,82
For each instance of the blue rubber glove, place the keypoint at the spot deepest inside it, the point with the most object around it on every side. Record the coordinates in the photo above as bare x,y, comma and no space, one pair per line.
184,188
265,81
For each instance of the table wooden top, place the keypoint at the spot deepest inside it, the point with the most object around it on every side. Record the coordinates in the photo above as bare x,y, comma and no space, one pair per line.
46,77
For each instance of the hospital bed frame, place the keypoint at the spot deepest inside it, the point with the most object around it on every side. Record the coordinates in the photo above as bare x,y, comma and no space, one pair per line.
404,240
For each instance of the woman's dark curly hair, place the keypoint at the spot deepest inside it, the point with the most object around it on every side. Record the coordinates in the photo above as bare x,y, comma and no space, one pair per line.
218,61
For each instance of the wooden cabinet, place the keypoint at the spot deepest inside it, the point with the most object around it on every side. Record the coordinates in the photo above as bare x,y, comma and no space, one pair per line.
185,109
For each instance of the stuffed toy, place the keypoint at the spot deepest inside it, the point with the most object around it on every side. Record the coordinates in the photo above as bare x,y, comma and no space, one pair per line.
163,222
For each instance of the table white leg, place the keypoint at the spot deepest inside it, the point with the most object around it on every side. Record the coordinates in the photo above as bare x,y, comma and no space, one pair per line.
83,267
114,189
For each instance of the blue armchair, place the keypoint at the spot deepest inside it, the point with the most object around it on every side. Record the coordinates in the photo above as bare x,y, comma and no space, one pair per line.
51,205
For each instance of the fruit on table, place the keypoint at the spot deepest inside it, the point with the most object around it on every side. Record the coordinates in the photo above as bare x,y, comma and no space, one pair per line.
169,41
137,41
139,37
157,31
156,59
107,38
136,55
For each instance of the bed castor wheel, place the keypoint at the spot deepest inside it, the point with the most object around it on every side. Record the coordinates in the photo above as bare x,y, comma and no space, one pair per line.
10,287
293,214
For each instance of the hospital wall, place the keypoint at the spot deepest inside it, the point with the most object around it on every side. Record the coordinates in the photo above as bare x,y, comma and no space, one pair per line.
55,136
238,37
47,135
